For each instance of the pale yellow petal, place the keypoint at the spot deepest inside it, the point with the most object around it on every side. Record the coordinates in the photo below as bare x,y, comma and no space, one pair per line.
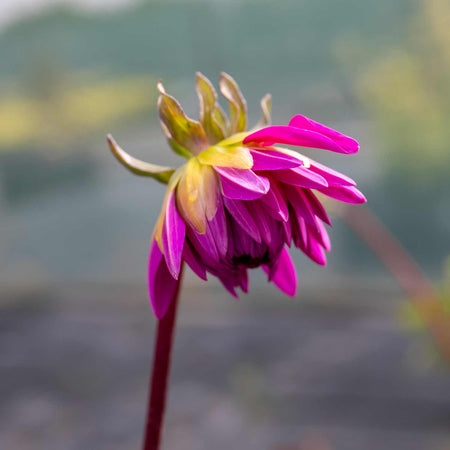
188,196
235,139
174,179
237,157
209,191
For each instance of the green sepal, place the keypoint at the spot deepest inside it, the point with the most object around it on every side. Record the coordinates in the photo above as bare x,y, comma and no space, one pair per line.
178,149
238,107
174,145
221,118
138,167
208,101
186,132
266,105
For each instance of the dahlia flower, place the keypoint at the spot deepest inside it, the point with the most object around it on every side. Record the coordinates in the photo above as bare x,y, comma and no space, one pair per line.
240,200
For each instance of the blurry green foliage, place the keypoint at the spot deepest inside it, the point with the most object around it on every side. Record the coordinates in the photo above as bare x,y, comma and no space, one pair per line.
56,113
404,87
407,91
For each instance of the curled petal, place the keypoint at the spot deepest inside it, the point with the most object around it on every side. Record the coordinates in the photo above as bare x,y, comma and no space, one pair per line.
295,136
272,160
238,108
137,166
242,184
208,101
186,132
284,276
300,204
317,207
348,194
300,177
347,143
333,177
161,284
305,161
173,234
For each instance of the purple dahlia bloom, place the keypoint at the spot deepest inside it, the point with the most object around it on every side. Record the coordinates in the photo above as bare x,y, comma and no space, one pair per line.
240,200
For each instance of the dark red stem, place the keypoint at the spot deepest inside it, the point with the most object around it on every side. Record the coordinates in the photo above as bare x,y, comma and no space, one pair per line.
160,374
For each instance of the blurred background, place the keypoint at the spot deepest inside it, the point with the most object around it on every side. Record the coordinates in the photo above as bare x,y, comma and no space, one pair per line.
359,360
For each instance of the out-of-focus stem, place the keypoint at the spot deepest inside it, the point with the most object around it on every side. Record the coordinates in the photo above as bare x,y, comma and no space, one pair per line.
405,270
383,243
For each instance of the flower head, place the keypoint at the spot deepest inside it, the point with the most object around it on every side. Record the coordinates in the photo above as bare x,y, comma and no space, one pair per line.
240,199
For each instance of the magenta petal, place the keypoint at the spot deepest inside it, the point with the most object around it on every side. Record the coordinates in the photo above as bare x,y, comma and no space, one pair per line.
218,229
300,177
299,232
173,234
348,194
242,184
228,285
284,277
193,261
316,252
204,244
273,160
333,177
317,207
349,144
161,284
321,235
287,230
243,280
275,203
295,136
300,204
243,244
263,221
241,215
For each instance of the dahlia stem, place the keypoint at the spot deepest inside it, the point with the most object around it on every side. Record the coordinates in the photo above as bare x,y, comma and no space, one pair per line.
160,374
389,250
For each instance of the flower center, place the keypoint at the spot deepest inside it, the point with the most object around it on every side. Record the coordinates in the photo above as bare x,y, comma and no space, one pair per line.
251,261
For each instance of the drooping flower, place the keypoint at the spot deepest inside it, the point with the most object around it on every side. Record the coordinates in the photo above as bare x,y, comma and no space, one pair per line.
240,200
